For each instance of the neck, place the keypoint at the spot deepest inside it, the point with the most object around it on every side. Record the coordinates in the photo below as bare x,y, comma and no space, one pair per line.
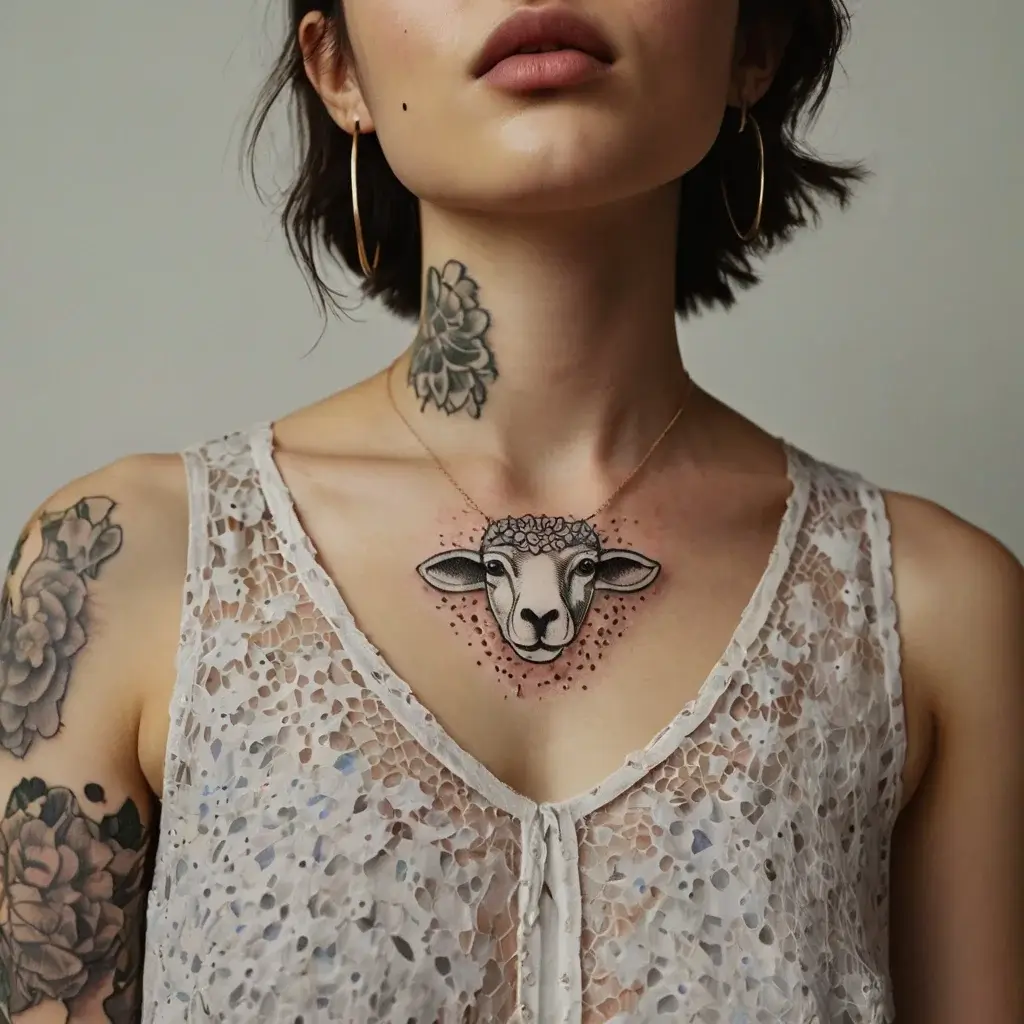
560,332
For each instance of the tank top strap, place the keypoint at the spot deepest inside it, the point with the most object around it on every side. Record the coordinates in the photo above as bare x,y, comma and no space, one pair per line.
878,535
847,521
226,512
225,479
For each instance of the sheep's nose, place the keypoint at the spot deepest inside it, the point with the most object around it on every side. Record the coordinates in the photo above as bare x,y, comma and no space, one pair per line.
539,622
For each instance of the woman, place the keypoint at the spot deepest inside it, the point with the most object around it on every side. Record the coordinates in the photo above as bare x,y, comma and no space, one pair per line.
433,728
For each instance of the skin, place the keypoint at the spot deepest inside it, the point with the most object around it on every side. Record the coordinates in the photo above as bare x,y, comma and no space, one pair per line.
561,211
88,769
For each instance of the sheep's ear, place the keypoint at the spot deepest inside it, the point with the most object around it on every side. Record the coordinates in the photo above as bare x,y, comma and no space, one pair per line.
625,571
454,572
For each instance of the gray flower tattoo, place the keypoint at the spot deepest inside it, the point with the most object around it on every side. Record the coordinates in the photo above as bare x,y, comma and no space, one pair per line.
39,641
72,905
452,364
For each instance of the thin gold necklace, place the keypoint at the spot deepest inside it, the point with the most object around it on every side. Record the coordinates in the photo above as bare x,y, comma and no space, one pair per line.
687,394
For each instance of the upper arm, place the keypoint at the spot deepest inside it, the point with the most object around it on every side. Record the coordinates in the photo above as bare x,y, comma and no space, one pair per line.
77,816
958,889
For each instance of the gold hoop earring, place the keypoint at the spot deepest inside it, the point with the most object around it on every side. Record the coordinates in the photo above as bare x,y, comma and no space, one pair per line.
360,242
755,229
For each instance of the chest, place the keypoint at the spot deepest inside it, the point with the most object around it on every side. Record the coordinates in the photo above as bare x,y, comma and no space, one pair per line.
397,831
318,821
627,659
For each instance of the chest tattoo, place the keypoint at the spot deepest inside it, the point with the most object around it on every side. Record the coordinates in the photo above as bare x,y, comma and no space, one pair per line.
530,591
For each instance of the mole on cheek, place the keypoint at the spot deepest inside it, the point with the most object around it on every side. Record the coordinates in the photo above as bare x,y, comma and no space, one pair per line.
405,106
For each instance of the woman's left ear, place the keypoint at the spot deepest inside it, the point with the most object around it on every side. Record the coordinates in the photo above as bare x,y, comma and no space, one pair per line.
760,48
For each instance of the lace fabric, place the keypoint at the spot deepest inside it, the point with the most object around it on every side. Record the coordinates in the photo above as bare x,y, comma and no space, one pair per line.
328,853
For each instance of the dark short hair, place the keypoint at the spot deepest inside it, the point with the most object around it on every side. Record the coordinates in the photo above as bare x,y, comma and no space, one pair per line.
712,261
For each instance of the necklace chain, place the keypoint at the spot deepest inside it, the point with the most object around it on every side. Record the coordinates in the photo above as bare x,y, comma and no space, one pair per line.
687,394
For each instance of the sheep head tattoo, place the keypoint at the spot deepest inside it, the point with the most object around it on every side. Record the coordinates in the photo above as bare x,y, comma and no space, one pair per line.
540,574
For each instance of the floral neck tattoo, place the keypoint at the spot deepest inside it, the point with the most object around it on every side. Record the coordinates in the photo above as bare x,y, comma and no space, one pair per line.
540,573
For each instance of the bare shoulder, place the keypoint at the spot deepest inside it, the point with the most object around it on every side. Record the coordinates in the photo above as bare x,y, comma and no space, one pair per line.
87,599
960,597
960,594
146,484
140,501
88,622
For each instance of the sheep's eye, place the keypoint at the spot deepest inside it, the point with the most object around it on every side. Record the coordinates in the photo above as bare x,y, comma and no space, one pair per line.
494,568
587,567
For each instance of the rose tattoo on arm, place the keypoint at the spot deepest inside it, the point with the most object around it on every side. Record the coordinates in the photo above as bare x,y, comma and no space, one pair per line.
72,906
452,365
39,641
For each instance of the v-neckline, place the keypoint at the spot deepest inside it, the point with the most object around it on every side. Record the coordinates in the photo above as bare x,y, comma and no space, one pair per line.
402,701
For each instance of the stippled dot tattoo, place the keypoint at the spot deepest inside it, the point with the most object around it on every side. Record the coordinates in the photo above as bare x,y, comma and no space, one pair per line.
451,365
541,597
73,904
40,638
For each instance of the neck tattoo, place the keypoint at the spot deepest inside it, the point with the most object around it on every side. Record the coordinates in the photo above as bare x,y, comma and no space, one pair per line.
452,365
537,576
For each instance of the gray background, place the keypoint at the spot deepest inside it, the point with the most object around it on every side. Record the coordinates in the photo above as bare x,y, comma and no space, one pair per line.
147,300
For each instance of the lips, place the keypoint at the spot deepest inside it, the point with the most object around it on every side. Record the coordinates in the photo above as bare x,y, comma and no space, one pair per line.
530,30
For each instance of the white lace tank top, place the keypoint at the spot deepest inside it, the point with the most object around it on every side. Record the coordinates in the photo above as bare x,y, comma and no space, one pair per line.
328,854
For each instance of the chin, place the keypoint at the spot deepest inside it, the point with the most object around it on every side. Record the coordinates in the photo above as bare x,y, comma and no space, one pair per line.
529,191
528,168
538,164
562,165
